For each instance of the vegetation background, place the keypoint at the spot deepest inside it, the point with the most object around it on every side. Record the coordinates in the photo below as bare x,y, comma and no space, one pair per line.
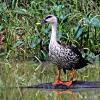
22,38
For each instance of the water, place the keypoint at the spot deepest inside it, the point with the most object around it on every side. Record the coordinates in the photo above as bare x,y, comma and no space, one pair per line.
27,73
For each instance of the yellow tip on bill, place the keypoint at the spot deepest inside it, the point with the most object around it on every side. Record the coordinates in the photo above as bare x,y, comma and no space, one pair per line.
38,23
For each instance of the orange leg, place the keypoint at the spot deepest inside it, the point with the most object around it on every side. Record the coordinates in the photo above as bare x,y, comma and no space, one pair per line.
69,83
58,81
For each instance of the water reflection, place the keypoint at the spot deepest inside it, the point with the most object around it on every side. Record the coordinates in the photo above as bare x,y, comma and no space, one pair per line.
43,94
78,94
68,92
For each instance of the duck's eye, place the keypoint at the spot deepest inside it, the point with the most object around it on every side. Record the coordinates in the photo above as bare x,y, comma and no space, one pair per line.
48,17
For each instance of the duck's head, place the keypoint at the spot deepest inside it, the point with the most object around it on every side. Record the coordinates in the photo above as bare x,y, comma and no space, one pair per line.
51,19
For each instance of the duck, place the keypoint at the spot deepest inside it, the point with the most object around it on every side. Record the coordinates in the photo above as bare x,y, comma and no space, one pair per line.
66,57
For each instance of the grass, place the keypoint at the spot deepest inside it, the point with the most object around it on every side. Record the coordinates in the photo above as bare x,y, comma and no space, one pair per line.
79,24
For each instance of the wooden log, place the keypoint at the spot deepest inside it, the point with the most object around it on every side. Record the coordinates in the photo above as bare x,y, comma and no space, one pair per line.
75,85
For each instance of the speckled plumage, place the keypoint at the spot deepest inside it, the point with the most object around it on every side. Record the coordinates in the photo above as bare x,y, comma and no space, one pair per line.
66,57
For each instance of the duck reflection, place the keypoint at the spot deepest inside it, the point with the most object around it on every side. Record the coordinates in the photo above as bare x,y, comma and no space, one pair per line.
59,93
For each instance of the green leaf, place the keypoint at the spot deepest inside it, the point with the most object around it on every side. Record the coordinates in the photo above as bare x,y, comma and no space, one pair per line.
18,43
1,27
86,20
78,31
35,41
20,11
58,7
3,7
95,21
97,59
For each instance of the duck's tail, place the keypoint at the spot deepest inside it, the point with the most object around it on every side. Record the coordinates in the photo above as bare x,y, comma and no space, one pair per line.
85,62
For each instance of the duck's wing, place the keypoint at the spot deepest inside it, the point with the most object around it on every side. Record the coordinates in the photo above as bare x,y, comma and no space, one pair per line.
71,47
74,49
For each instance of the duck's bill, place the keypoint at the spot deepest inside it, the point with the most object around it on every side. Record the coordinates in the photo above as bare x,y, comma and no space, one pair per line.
43,21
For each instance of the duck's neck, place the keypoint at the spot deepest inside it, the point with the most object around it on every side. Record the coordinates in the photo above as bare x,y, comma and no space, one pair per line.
53,38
